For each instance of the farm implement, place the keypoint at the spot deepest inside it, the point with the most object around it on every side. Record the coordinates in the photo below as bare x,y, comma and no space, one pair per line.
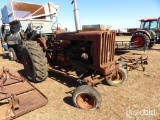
131,63
18,96
127,45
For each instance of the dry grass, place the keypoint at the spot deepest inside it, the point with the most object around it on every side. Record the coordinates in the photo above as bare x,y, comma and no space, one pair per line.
141,91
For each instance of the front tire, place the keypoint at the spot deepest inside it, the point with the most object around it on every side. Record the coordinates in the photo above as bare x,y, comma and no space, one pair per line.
120,79
12,54
34,61
86,97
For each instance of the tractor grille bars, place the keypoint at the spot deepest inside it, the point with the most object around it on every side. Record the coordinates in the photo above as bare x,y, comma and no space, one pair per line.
107,49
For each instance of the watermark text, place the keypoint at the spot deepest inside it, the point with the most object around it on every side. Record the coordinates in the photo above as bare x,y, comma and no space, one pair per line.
142,112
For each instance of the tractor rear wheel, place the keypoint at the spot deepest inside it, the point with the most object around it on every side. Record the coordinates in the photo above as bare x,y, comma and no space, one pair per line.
86,97
140,40
34,61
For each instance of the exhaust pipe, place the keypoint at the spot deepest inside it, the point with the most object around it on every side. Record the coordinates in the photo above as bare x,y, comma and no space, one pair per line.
76,16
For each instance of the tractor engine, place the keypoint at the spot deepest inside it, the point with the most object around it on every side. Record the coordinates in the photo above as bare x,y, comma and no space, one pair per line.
72,55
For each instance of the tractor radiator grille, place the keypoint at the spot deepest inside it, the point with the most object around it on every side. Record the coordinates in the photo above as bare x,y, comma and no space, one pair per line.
107,50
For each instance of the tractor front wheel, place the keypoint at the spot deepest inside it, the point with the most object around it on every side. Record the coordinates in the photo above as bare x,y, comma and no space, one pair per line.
86,97
119,78
12,54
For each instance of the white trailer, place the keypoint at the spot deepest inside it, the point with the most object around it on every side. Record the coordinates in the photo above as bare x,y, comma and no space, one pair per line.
22,21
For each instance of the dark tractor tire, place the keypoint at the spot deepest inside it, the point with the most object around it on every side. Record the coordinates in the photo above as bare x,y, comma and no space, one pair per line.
140,40
34,62
87,98
151,43
12,54
120,79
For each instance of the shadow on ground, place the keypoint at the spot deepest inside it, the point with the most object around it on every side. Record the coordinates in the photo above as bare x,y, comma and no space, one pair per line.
64,80
121,52
68,100
4,56
70,82
67,81
154,49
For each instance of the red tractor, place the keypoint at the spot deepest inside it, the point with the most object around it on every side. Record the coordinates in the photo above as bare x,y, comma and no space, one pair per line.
87,55
148,33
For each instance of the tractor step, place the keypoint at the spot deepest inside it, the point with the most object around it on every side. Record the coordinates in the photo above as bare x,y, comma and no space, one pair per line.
18,96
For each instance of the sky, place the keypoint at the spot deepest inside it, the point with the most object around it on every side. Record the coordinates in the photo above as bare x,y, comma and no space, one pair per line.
118,13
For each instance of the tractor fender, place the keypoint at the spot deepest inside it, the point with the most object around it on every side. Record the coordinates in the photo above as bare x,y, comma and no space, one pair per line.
42,41
153,34
144,32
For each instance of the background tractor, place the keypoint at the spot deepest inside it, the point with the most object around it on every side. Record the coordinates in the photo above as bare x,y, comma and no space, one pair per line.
148,33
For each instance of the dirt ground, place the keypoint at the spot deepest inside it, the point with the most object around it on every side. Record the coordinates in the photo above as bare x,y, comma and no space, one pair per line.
137,99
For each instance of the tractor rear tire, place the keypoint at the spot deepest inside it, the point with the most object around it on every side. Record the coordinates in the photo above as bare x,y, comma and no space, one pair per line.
140,39
34,61
151,43
12,54
87,98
